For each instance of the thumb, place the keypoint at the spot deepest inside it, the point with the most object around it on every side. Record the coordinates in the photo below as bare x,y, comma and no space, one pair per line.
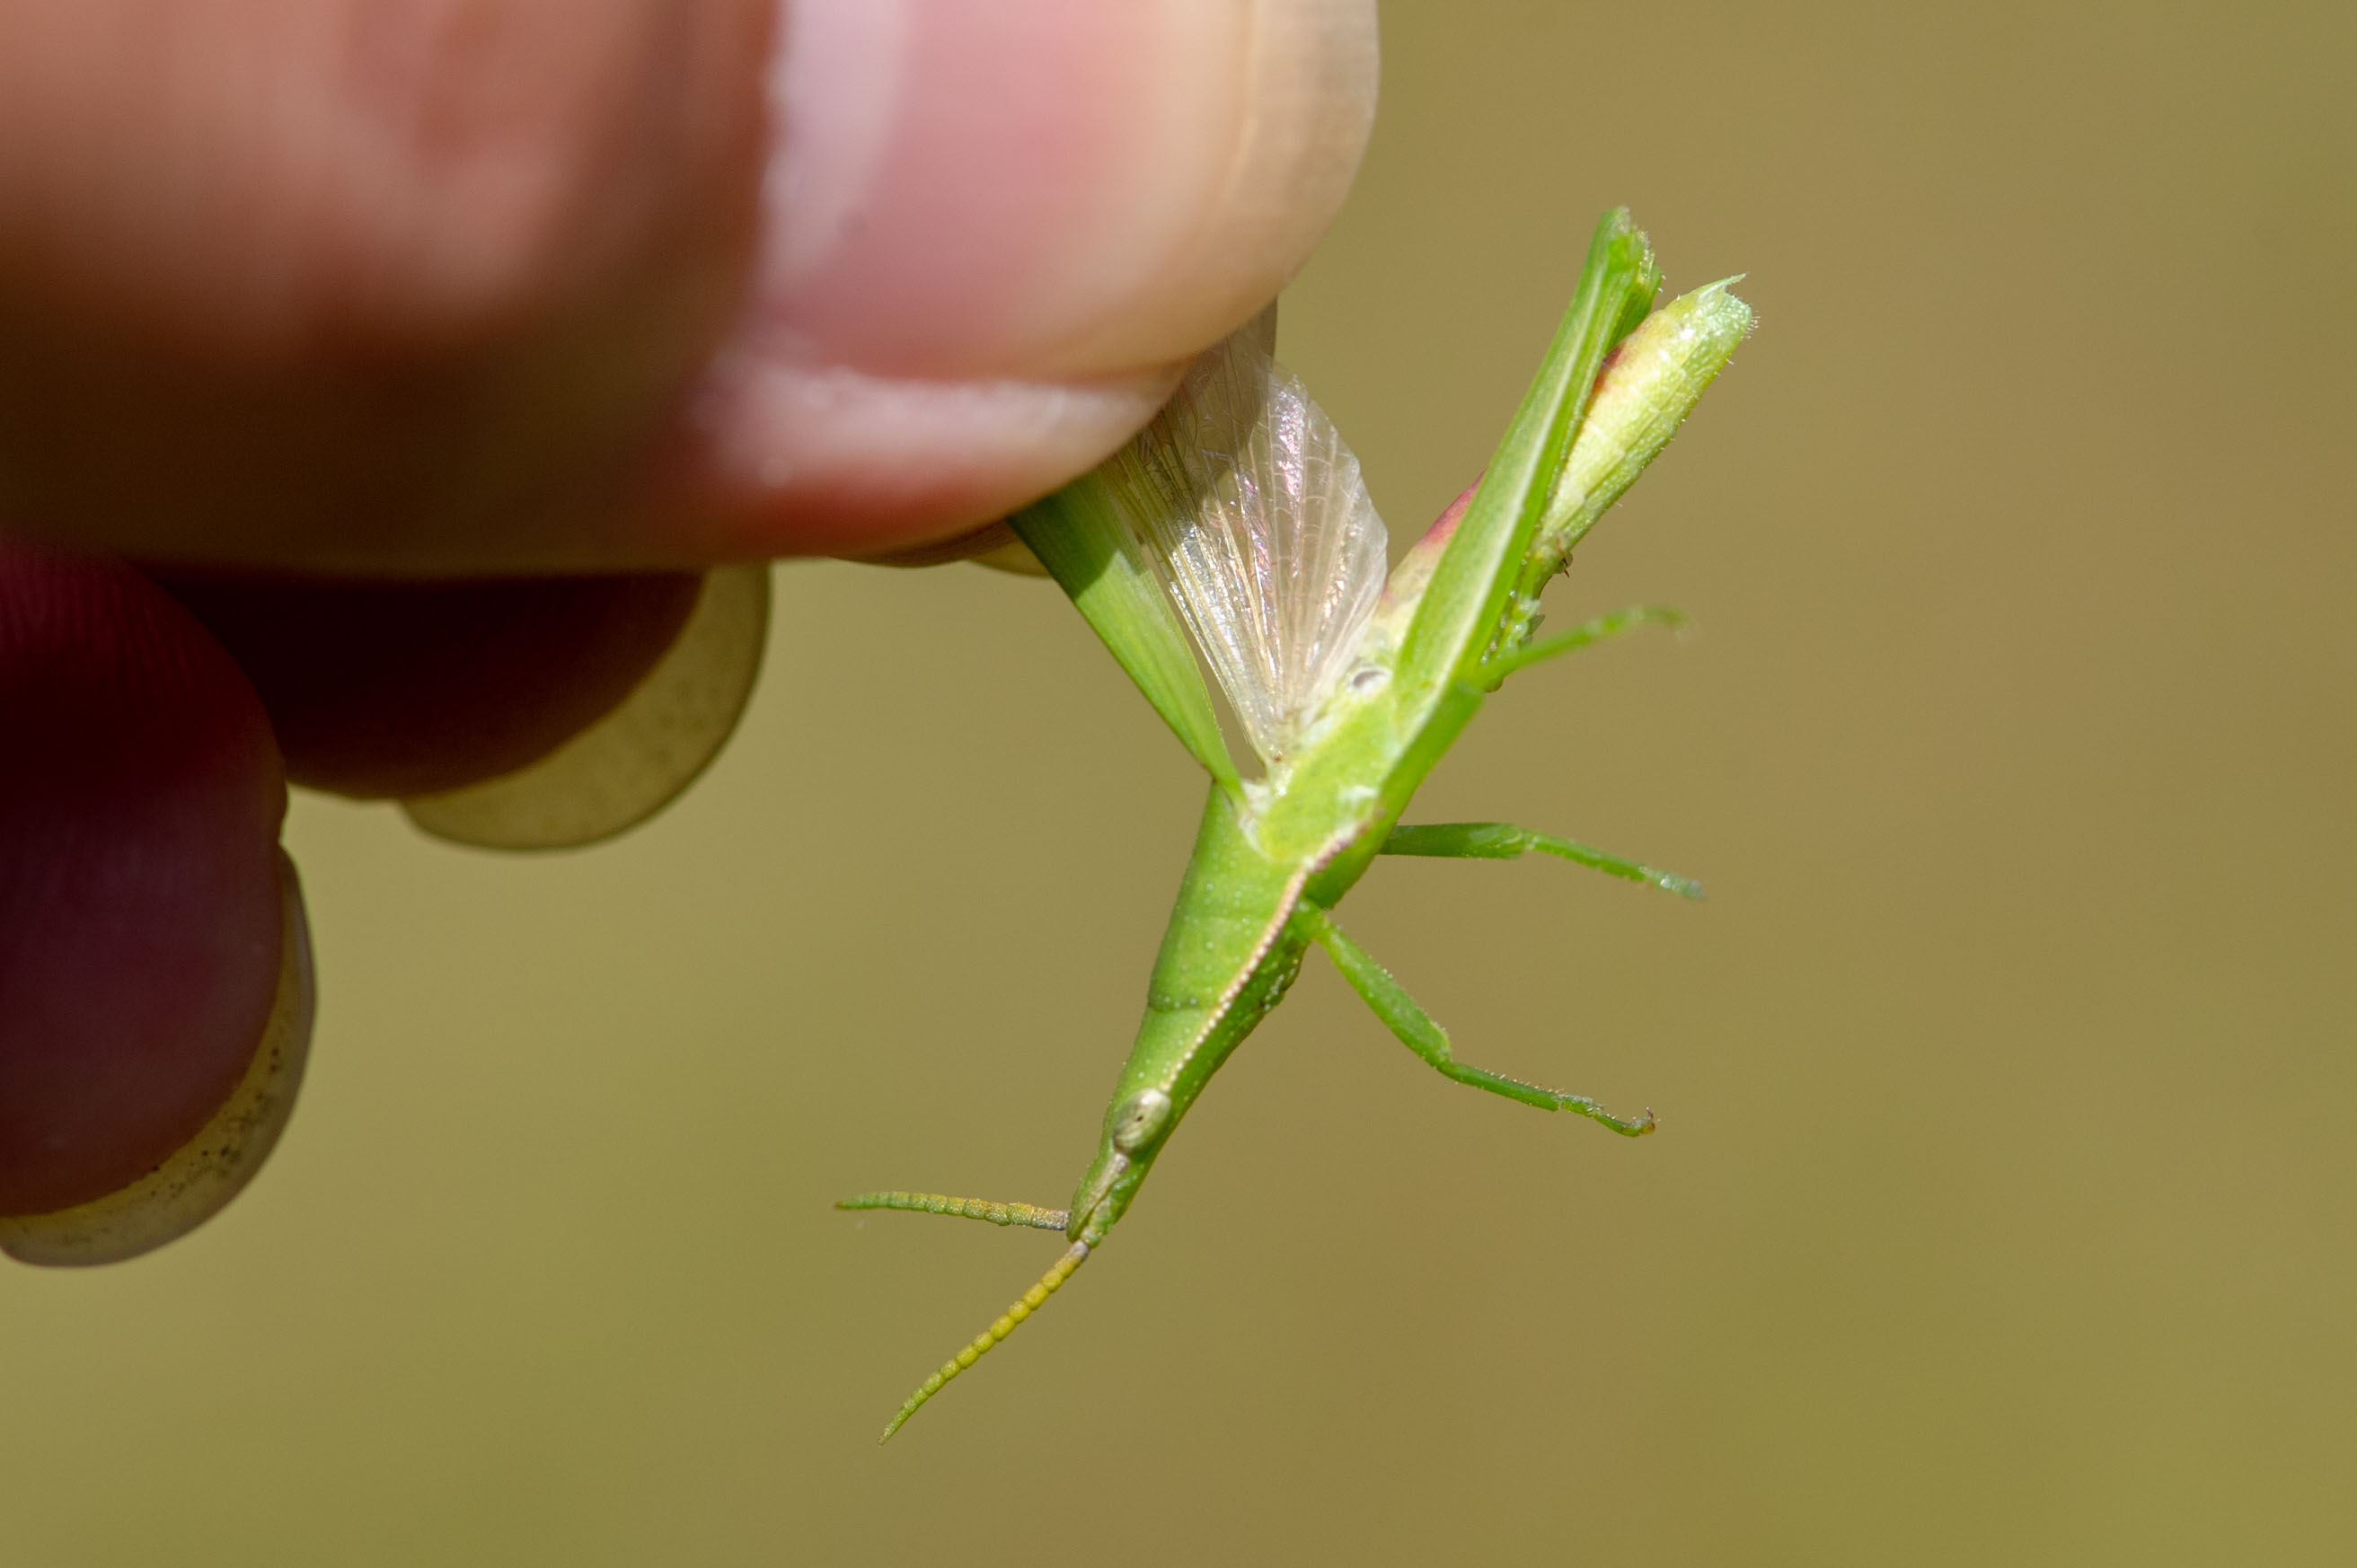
993,234
450,286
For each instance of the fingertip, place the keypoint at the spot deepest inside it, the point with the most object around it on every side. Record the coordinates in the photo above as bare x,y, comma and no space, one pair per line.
140,895
637,758
996,234
384,690
806,460
198,1179
1051,189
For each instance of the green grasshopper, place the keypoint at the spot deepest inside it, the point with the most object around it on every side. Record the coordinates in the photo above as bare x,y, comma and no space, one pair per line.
1238,516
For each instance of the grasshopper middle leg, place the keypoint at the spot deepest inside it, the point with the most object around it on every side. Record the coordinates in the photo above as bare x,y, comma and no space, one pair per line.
1503,841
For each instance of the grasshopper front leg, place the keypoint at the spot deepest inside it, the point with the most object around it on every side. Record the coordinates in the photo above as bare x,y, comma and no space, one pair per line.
1588,634
1418,1032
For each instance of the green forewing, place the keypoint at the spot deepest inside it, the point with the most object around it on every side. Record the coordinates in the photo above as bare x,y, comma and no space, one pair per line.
1468,594
1076,537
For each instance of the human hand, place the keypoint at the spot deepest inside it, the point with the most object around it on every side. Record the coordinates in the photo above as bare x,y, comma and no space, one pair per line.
504,290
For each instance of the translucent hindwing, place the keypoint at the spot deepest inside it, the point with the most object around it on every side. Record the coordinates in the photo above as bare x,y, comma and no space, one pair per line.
1253,512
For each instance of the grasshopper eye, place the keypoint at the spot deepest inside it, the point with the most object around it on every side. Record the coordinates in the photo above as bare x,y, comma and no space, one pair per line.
1139,1120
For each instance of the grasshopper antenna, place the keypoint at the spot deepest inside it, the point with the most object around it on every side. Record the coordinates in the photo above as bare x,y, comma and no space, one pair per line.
1032,1299
964,1208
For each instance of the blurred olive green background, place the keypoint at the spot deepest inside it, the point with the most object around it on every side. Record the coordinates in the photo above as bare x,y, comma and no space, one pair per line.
2002,1210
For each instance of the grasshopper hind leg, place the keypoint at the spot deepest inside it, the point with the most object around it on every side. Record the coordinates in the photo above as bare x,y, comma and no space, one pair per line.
1417,1031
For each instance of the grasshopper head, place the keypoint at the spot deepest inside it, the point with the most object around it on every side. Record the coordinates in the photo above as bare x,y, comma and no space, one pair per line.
1133,1133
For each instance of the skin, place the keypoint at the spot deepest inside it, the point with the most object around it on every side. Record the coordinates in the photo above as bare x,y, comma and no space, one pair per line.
476,291
1274,857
